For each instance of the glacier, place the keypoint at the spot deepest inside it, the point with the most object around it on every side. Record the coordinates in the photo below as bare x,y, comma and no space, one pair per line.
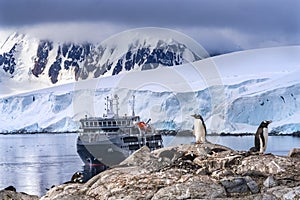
233,92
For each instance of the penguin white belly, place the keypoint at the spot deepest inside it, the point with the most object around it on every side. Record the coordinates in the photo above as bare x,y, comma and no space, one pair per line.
199,131
265,133
261,145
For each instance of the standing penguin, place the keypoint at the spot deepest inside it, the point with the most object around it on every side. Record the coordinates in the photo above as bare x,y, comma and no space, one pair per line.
199,129
261,137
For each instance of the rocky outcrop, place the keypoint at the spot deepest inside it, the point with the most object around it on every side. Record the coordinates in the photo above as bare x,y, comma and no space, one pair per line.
197,171
295,153
11,193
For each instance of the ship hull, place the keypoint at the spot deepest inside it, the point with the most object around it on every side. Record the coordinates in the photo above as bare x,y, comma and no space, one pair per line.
100,152
109,151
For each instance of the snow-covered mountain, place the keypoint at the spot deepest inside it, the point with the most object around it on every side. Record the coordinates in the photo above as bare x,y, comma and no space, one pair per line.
233,92
24,58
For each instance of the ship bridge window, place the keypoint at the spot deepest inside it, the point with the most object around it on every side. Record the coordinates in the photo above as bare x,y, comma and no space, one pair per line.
108,123
104,124
95,123
119,123
86,123
114,123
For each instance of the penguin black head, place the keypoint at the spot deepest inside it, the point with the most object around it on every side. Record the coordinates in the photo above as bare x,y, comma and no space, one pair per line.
197,116
265,123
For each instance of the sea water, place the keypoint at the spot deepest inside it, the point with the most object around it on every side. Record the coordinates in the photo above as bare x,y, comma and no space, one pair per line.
34,162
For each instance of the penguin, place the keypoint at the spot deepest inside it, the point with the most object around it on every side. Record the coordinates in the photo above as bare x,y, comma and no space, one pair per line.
77,177
261,137
199,129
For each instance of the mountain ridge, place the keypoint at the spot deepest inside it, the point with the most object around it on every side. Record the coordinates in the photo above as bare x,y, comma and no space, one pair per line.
23,58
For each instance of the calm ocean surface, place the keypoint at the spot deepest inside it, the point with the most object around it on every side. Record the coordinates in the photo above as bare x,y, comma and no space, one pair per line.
32,163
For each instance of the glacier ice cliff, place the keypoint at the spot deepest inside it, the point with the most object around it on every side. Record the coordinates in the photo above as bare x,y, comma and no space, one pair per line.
241,111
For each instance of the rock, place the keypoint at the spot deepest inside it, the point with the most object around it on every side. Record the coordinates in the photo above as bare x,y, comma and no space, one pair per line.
240,185
196,171
11,194
235,185
202,171
270,182
218,161
221,173
194,187
169,154
293,194
294,153
66,192
284,192
145,160
265,165
252,185
11,188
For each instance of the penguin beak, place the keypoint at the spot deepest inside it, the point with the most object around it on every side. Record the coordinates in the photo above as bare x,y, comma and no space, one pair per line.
269,122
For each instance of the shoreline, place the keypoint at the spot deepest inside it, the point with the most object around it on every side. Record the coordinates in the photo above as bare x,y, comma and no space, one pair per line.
36,133
165,133
190,133
201,168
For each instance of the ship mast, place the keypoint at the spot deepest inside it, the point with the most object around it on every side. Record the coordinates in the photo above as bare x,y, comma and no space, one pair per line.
110,103
133,102
109,106
116,98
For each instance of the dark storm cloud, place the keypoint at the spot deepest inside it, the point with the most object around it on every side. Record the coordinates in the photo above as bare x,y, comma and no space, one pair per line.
246,14
274,20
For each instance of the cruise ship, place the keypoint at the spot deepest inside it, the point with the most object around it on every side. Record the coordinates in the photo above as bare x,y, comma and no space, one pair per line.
108,140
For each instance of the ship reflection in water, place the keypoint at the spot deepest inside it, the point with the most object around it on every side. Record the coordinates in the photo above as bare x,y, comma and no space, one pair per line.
106,141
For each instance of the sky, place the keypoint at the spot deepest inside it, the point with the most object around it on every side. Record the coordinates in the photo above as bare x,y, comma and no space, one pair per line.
217,25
